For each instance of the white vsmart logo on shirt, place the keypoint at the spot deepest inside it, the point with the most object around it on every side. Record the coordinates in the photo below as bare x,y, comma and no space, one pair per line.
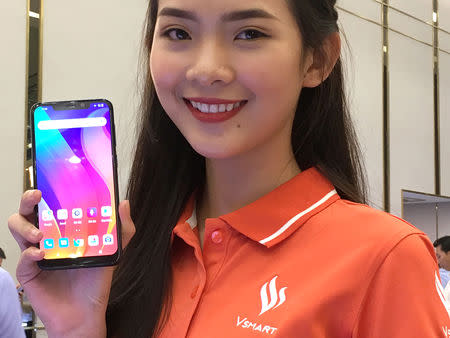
275,295
270,299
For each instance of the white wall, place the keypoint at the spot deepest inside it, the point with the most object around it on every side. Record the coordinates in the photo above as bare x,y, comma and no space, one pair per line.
422,9
362,54
12,114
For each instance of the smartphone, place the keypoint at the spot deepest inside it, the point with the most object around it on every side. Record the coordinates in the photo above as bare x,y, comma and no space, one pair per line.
75,168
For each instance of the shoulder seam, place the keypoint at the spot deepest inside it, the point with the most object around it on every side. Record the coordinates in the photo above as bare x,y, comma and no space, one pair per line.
385,213
375,272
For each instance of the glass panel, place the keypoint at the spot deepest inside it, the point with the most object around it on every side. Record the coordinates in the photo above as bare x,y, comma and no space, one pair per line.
366,8
443,219
12,92
429,213
411,118
363,59
34,82
444,89
410,26
422,9
444,14
444,41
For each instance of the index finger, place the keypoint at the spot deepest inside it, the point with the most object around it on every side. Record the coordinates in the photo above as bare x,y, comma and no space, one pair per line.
29,199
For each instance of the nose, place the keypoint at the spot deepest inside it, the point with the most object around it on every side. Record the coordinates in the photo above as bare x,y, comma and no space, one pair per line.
211,66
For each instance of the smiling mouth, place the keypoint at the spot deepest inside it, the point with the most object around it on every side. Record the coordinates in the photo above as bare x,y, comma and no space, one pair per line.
214,108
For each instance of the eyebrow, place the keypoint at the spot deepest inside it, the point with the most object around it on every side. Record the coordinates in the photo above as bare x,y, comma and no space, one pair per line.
227,17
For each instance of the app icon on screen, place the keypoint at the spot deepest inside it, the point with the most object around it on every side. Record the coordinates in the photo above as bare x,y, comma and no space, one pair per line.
78,242
92,212
77,213
63,242
62,214
108,239
106,211
93,240
48,243
47,215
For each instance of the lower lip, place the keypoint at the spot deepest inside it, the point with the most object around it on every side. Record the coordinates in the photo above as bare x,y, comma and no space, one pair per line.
213,117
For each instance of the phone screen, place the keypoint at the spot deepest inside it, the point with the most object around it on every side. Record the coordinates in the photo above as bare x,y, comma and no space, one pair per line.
74,169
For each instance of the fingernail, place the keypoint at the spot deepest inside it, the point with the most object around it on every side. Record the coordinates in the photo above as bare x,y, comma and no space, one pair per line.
31,194
36,233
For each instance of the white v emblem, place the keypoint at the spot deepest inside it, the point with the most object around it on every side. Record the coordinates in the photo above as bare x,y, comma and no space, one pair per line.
274,296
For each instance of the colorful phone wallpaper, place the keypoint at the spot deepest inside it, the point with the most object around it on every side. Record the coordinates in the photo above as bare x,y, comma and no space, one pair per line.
74,171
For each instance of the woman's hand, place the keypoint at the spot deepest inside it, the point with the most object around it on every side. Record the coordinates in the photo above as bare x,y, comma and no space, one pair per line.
69,302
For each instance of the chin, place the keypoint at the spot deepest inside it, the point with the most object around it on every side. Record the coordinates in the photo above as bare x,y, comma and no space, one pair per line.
215,153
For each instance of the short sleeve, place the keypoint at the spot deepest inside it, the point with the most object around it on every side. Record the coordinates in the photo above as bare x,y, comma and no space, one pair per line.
404,298
10,310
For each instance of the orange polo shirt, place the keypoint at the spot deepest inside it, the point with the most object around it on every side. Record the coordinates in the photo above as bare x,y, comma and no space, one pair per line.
301,262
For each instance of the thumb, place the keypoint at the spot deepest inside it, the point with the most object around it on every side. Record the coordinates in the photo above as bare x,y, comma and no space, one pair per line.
128,229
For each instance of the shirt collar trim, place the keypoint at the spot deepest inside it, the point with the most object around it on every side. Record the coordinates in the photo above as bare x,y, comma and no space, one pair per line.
294,219
291,204
275,216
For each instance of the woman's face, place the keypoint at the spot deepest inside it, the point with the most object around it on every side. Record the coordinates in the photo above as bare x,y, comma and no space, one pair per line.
228,72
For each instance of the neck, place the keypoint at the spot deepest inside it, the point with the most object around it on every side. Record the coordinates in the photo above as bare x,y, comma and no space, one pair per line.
234,183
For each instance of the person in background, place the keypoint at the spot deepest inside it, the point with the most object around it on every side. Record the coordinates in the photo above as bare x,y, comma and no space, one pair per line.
10,311
2,256
442,246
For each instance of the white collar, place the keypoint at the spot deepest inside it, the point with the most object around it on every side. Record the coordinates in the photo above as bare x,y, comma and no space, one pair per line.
192,221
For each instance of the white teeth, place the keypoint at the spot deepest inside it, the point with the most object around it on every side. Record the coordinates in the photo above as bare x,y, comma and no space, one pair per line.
214,108
204,108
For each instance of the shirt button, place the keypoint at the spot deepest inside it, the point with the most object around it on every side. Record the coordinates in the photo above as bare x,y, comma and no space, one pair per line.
194,292
217,236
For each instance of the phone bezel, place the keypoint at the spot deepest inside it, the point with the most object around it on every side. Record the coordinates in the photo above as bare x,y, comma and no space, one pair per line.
90,261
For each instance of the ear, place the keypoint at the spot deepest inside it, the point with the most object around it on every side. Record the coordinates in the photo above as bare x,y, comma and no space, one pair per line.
319,66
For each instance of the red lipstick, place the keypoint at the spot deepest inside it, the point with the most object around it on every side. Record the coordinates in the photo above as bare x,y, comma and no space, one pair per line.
213,117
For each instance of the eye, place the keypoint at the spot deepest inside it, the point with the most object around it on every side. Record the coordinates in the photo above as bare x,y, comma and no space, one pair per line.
250,34
177,34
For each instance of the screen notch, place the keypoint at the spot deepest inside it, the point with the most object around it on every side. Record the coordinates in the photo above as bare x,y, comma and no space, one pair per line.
72,105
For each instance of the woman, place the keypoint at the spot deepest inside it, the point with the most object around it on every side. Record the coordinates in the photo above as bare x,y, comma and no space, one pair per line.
243,194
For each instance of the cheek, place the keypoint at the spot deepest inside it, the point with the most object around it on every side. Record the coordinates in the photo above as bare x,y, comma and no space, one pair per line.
276,84
166,71
271,75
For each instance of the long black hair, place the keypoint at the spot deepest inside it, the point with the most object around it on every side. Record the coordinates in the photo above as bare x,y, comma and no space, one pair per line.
166,171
